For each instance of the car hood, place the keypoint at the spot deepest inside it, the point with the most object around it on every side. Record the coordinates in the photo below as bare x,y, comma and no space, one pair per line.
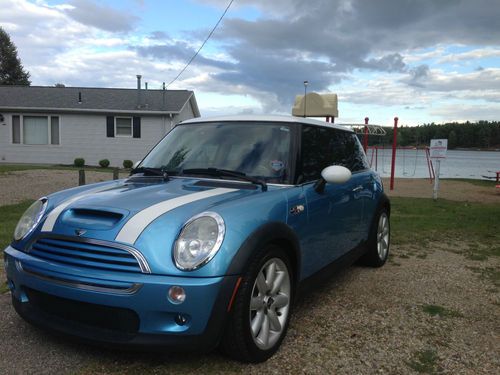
149,216
122,211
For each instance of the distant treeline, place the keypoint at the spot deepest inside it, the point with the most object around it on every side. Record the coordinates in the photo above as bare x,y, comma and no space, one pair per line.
482,134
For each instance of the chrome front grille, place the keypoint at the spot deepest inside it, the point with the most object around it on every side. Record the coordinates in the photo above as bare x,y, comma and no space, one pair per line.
89,253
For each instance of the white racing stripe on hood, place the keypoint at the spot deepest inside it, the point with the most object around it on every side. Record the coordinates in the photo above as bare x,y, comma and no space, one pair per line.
51,219
134,227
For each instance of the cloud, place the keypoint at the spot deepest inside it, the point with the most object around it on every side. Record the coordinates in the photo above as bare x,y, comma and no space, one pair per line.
467,112
178,51
387,53
436,80
101,16
326,40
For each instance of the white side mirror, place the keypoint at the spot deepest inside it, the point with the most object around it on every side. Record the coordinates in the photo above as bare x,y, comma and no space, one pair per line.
336,174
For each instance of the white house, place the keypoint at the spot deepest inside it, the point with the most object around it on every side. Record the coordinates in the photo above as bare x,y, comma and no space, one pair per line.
55,125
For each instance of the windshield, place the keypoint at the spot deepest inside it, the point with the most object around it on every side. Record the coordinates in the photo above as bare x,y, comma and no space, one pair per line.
257,149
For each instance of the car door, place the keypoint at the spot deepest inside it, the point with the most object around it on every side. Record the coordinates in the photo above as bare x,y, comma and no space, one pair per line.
366,187
333,213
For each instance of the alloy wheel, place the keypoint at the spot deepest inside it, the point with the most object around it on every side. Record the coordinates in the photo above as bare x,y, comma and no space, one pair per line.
270,303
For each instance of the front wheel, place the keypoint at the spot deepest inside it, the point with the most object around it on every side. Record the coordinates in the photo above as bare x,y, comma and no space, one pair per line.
261,311
378,241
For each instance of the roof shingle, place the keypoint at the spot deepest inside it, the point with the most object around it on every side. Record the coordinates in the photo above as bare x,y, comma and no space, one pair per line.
101,99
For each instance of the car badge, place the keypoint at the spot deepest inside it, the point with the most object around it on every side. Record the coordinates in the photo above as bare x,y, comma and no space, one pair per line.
295,210
80,232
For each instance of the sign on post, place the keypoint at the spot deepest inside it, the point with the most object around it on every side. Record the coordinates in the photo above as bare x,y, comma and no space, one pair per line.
438,152
438,148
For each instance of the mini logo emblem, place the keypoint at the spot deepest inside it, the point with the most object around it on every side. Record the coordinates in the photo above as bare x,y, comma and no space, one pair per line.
80,232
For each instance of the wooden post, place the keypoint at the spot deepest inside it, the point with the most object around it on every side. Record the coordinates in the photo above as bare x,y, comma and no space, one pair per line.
115,173
81,177
436,180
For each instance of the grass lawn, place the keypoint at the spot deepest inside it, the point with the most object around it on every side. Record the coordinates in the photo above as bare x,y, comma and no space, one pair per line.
9,215
418,221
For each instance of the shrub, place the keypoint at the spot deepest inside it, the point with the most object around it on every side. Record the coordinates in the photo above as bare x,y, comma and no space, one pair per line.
79,162
104,163
128,164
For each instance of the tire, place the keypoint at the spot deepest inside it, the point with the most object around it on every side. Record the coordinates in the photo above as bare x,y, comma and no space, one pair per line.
378,240
261,309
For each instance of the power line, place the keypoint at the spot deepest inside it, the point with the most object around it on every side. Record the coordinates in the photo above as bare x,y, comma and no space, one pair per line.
206,40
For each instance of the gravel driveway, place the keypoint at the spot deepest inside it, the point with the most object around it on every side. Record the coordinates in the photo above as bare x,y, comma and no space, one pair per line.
363,321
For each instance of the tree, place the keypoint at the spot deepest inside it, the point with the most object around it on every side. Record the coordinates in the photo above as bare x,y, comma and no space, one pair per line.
452,139
11,70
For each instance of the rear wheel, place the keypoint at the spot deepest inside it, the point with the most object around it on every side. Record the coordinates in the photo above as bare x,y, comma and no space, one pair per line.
379,240
261,311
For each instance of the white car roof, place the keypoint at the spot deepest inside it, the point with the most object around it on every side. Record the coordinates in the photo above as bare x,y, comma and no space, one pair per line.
267,118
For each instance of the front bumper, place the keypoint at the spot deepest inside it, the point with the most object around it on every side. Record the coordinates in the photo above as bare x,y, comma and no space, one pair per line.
124,309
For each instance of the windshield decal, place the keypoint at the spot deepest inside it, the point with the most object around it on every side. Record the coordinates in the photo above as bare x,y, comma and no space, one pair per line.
136,225
277,165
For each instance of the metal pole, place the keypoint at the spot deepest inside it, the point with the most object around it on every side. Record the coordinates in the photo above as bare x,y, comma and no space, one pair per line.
376,157
305,97
394,142
365,138
436,180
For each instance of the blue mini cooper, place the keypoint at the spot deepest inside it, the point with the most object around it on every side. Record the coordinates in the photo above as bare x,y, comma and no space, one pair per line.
207,242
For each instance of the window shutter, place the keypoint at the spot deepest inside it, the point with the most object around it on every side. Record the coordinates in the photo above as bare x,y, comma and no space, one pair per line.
136,131
110,126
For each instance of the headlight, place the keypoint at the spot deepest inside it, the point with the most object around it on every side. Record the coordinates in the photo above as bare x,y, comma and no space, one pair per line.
199,241
30,219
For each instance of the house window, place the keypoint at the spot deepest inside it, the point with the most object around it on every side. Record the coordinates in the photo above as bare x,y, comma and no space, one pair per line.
123,126
35,130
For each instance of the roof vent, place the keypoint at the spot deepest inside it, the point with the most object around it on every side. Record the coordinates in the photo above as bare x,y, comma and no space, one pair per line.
139,93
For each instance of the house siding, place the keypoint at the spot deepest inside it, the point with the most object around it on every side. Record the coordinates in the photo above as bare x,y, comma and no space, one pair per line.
84,136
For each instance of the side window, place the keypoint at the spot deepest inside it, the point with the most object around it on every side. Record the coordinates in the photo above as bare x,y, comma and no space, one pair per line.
360,161
349,152
322,147
317,151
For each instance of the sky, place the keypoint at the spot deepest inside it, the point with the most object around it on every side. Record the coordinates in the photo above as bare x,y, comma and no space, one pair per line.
421,60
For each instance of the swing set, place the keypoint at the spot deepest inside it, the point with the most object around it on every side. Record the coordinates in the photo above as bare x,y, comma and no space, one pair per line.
367,130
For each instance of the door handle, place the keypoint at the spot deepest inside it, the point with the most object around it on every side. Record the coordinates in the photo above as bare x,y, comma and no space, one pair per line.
357,188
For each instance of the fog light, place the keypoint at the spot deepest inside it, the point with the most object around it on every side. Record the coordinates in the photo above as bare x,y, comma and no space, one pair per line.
176,295
180,319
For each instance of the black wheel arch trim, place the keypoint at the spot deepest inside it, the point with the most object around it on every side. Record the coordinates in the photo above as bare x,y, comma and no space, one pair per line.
278,233
383,201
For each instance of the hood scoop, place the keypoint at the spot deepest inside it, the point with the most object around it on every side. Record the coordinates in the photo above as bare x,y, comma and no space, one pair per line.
91,219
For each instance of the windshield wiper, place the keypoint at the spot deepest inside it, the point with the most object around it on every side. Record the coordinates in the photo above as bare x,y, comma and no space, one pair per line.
151,171
224,172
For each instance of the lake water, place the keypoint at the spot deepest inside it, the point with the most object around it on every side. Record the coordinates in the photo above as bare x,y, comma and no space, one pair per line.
458,164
